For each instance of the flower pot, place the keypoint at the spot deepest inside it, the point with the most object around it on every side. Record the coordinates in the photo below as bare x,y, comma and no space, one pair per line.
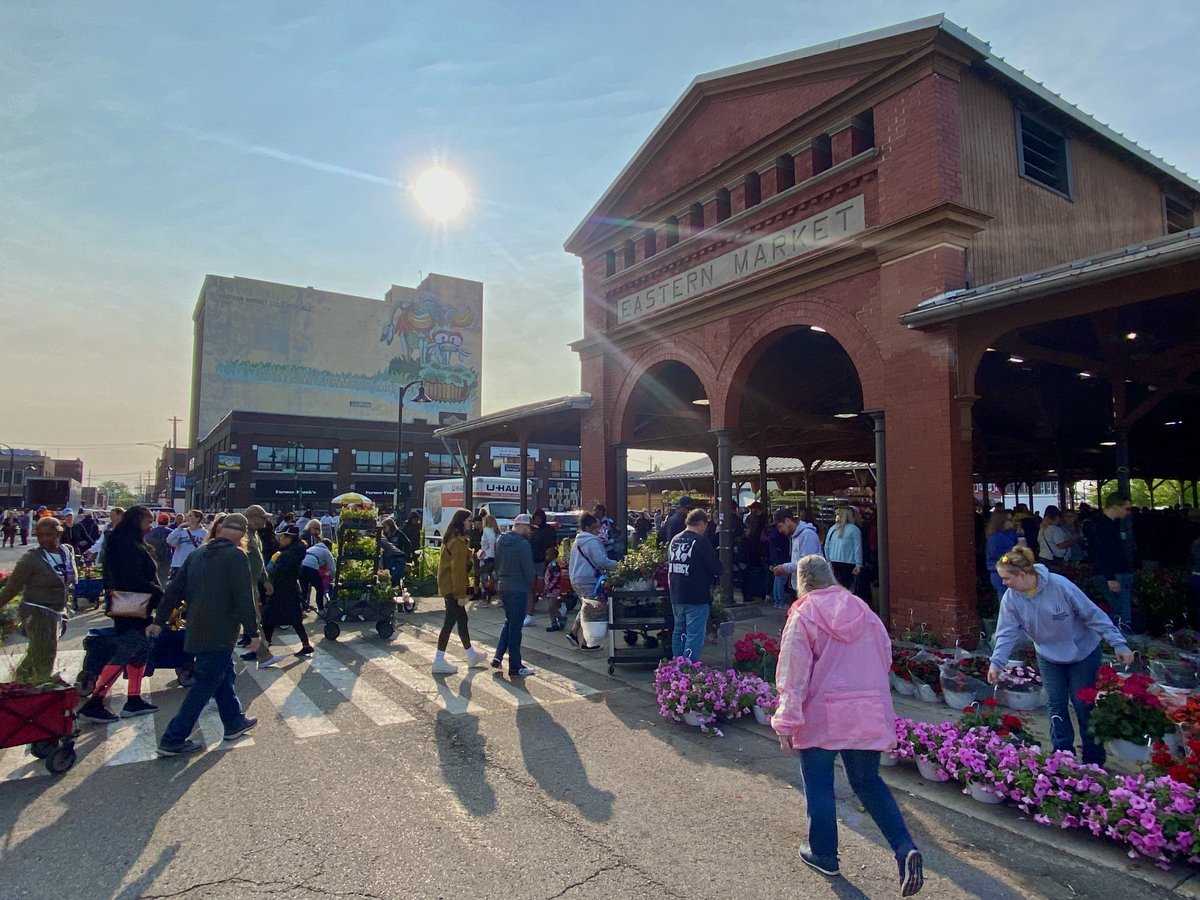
761,716
887,759
694,719
958,701
1023,700
1174,743
900,686
930,770
593,632
982,795
927,693
1129,751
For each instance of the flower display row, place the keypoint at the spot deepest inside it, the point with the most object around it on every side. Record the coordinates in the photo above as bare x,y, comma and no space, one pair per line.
700,695
991,756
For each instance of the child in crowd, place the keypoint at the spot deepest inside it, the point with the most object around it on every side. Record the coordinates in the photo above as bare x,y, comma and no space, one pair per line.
553,585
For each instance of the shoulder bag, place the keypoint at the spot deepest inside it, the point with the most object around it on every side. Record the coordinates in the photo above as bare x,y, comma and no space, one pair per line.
128,605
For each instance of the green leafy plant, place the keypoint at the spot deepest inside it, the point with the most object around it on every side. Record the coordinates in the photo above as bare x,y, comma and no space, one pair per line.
640,563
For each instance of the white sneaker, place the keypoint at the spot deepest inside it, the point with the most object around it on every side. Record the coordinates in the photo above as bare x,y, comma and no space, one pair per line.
442,667
525,671
267,663
529,620
475,659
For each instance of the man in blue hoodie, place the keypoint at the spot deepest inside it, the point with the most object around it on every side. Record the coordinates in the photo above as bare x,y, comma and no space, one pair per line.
514,579
804,541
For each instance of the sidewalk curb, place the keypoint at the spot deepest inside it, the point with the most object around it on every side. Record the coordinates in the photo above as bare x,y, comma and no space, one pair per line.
1180,880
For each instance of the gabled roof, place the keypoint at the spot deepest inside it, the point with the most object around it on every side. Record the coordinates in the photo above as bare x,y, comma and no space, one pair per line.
713,82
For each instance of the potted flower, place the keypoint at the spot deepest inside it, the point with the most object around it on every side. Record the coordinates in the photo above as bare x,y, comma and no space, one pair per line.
636,570
742,694
964,681
1022,687
927,739
904,746
973,760
926,676
986,714
757,652
899,677
1126,715
690,692
766,701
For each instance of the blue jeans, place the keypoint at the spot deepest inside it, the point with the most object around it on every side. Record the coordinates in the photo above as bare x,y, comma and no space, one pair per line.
510,635
1120,602
687,635
1062,682
862,769
779,589
214,676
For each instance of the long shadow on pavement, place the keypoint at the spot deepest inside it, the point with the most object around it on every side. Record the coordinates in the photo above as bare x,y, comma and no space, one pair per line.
460,749
551,758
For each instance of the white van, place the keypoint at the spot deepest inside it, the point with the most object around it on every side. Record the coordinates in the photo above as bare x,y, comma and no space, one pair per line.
500,496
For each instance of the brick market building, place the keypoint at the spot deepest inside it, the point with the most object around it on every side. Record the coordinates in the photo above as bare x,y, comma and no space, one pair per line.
893,248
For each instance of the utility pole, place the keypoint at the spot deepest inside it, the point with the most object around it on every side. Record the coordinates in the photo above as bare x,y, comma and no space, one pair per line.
174,420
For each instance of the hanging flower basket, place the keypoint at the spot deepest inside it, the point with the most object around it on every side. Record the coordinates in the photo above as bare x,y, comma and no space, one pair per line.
1128,750
1022,700
887,760
981,794
930,770
901,686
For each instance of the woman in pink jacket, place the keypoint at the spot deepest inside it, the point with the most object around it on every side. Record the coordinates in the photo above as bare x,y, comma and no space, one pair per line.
834,698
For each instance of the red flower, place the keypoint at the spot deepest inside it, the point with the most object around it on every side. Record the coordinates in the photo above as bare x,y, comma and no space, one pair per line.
1010,721
1002,731
1087,695
967,710
1182,774
989,701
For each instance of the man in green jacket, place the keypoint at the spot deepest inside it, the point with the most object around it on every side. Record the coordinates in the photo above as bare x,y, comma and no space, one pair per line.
216,582
45,574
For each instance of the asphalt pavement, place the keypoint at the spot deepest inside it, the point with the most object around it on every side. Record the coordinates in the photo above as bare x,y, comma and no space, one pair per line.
369,777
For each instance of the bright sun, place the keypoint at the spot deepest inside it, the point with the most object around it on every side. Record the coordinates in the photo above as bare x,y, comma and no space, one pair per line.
440,193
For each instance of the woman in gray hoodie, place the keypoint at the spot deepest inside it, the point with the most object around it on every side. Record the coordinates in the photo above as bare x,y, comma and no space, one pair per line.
1066,628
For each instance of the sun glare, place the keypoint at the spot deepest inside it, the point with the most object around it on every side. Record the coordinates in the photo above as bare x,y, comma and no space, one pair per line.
440,193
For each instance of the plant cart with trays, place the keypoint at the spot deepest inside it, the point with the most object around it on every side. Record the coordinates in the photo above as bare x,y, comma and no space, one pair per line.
360,593
89,586
634,614
43,719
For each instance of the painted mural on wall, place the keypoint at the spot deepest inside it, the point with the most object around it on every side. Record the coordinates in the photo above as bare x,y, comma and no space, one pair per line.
291,350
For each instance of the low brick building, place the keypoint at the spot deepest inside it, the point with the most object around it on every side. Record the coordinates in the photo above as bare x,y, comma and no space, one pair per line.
812,255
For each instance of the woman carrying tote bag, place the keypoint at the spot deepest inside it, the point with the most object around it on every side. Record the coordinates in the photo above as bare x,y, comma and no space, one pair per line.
132,592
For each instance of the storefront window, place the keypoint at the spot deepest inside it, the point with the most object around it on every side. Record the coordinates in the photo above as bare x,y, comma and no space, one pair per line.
381,462
564,468
291,459
441,464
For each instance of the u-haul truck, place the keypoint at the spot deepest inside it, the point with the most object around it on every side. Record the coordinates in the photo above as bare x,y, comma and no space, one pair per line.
500,496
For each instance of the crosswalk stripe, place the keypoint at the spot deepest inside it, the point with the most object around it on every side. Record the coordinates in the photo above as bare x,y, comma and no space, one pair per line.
563,685
302,716
213,730
66,664
493,687
129,740
371,702
433,689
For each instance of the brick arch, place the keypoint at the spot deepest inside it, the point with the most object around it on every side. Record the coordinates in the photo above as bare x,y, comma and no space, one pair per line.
744,353
674,349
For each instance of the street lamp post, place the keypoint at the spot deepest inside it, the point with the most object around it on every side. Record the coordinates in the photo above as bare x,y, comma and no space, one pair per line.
296,446
420,398
12,458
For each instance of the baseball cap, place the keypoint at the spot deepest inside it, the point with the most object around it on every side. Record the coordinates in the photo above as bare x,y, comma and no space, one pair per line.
235,520
163,518
67,511
781,514
255,511
684,501
522,519
286,529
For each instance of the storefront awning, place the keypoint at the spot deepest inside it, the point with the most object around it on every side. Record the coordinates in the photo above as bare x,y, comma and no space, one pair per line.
545,422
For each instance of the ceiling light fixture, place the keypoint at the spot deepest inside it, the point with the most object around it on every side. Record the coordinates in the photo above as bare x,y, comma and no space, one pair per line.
1131,336
1085,374
703,401
817,328
845,415
991,349
1176,422
1016,359
1108,443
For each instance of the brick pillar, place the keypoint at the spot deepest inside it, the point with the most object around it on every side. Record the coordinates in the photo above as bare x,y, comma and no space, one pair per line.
778,176
744,193
691,221
811,158
932,568
716,207
850,138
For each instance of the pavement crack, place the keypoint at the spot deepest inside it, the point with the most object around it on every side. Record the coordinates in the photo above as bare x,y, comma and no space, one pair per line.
265,887
575,884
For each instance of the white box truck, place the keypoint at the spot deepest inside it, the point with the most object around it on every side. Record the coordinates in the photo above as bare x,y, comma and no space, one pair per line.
500,496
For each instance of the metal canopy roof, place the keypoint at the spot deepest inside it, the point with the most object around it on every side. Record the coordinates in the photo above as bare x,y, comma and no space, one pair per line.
747,467
544,422
1140,257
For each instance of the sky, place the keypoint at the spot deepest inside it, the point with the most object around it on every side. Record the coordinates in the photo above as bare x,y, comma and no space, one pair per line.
144,144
